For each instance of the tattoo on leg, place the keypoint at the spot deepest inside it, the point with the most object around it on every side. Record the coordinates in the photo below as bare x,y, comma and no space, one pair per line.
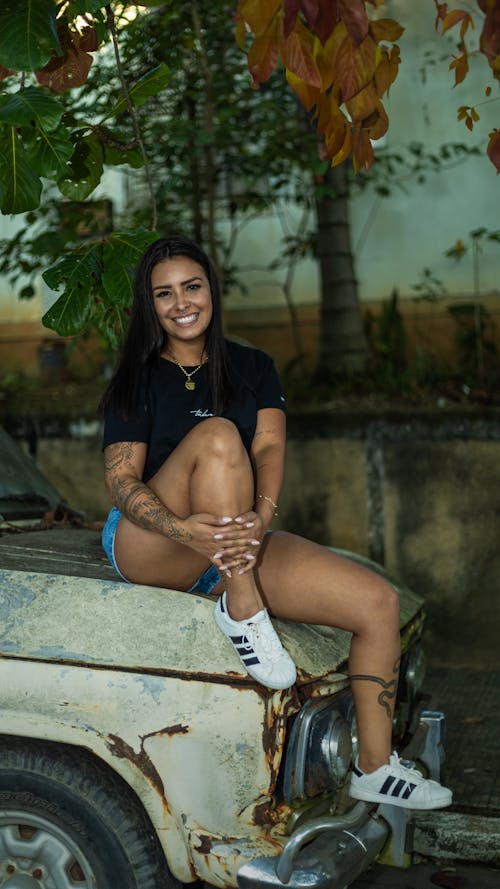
389,687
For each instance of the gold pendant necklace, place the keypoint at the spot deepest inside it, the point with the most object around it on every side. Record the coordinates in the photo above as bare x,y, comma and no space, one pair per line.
189,384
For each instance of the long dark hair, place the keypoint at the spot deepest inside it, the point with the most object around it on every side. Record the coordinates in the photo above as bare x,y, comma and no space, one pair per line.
145,337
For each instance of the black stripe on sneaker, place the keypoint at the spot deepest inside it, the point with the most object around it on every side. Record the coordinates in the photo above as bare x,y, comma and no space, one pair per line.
409,790
386,786
357,771
398,788
239,640
249,661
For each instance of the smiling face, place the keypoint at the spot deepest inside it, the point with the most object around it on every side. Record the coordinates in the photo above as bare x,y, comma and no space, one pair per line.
183,305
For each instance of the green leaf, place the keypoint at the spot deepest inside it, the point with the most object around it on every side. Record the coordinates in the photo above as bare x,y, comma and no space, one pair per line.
84,170
121,254
49,153
28,33
79,7
31,106
148,85
20,187
114,154
78,271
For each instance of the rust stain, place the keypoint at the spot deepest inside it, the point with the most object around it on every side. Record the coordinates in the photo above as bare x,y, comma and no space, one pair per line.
122,750
170,730
205,846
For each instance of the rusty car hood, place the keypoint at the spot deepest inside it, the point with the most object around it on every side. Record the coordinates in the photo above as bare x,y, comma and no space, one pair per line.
109,624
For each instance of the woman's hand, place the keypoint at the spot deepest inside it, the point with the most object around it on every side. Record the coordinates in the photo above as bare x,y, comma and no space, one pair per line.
241,543
229,543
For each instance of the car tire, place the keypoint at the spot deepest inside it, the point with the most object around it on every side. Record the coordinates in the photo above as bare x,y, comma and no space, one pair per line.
67,822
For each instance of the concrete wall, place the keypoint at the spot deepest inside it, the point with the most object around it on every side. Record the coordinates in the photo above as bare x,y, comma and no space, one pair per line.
416,492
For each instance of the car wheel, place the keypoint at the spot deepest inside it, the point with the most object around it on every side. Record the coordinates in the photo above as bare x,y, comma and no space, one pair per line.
68,823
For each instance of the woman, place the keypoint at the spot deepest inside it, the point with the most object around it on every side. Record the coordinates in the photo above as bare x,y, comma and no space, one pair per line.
194,446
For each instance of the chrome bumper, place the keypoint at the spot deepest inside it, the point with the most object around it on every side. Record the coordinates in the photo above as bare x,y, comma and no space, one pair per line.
331,852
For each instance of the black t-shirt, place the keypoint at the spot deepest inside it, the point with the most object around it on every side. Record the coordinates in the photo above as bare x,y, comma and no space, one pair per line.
168,411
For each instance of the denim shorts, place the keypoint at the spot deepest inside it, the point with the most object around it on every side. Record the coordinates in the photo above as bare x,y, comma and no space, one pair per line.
205,583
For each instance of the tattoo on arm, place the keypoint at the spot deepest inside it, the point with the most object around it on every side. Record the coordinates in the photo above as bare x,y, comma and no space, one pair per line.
135,499
389,687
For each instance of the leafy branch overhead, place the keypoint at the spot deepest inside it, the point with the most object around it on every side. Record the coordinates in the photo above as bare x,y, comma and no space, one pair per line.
488,12
341,63
46,50
338,62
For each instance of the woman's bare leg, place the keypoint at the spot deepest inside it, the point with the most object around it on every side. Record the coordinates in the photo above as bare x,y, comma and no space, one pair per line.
303,581
209,471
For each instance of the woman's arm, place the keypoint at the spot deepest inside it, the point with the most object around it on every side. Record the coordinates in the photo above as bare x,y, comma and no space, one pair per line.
123,467
268,457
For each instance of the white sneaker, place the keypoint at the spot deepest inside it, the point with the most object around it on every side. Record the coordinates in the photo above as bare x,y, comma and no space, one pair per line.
258,647
398,785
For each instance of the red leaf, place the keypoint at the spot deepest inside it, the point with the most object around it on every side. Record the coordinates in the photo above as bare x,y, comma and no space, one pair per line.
355,67
386,29
441,11
310,9
493,149
5,72
489,41
71,69
353,13
327,18
298,55
263,56
291,8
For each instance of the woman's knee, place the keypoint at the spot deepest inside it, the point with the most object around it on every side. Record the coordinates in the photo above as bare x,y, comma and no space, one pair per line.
221,438
383,608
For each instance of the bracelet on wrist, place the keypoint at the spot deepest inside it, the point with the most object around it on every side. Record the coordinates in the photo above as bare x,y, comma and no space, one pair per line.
269,500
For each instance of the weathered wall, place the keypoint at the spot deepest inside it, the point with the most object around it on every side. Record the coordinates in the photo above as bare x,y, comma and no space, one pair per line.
417,492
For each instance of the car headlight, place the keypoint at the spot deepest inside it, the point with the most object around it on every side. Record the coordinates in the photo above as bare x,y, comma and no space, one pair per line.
319,750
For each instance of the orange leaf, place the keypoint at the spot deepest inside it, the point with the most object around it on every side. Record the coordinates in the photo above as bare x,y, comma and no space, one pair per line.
355,66
387,70
345,150
326,54
240,33
323,113
258,13
468,123
307,94
70,69
335,133
362,149
297,53
454,17
385,29
460,64
363,104
493,149
378,123
263,56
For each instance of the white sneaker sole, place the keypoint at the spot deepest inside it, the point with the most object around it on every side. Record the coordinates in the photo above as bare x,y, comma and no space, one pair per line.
441,802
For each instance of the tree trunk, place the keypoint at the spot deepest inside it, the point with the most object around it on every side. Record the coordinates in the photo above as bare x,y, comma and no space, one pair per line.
342,347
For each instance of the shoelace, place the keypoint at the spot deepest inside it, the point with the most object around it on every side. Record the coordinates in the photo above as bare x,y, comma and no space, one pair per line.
403,771
264,634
